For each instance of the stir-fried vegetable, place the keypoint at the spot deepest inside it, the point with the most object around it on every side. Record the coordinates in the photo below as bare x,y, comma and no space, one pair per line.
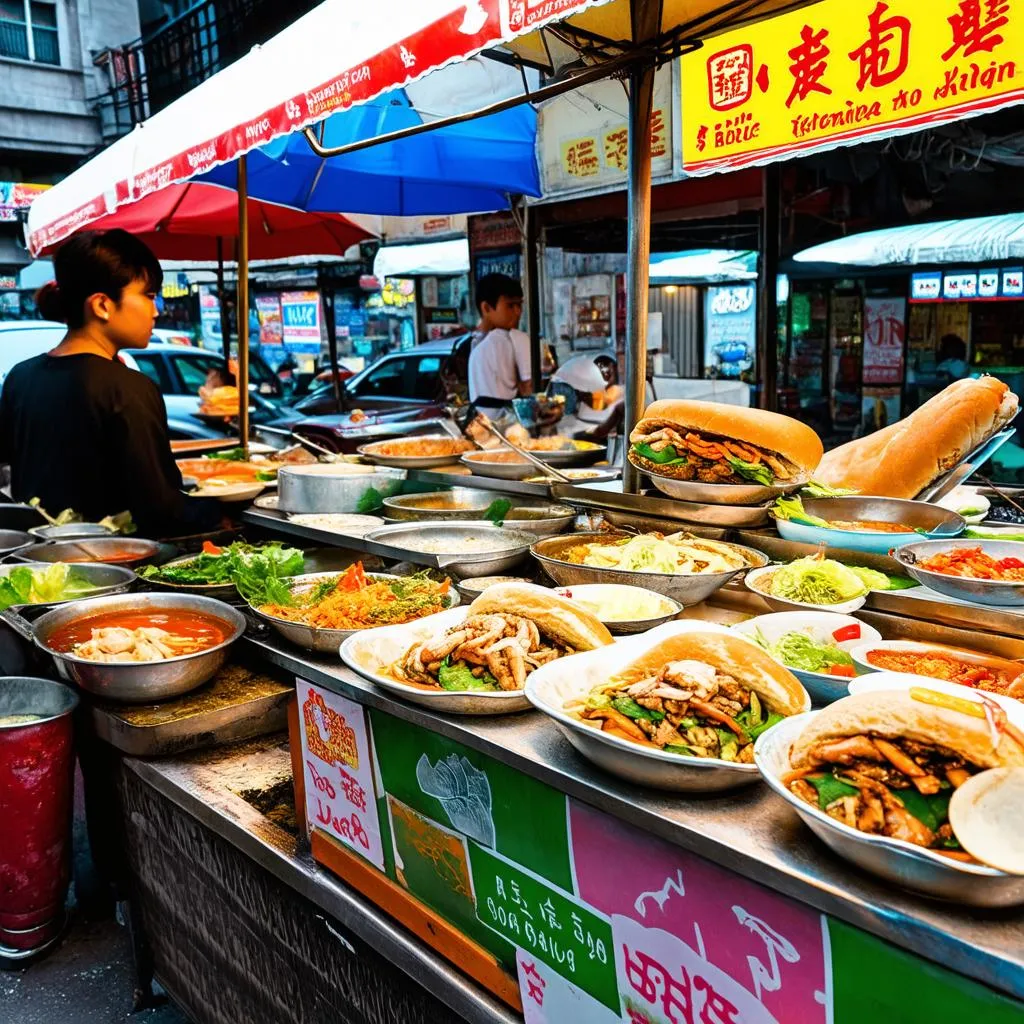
58,582
460,677
668,456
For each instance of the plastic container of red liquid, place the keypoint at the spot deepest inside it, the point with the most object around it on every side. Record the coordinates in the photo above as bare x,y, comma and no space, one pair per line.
37,763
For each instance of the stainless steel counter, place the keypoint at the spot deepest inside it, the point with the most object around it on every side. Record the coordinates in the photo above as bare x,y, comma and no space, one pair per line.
751,832
202,785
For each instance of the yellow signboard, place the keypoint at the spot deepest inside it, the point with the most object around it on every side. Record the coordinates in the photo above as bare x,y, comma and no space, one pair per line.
841,71
580,158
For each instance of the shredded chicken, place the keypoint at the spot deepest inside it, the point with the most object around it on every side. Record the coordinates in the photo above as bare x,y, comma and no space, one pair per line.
509,647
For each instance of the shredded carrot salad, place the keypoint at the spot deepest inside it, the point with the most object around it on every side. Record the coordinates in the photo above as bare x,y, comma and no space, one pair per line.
354,600
975,564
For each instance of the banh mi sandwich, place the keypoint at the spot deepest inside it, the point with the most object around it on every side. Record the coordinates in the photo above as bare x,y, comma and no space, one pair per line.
901,460
888,762
511,629
723,444
695,694
220,401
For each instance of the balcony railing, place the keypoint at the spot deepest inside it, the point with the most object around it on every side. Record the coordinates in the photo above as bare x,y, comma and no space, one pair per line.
150,74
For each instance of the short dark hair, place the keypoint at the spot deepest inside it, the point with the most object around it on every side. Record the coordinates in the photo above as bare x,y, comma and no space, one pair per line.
96,262
952,346
492,287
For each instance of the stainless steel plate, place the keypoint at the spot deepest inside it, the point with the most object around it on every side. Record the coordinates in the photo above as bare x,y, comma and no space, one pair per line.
993,592
687,589
469,504
221,591
466,549
898,862
108,579
316,638
93,549
71,531
479,463
721,494
573,456
409,461
13,541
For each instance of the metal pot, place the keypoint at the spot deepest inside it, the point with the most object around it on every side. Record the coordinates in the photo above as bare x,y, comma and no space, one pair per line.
96,550
140,682
14,541
331,487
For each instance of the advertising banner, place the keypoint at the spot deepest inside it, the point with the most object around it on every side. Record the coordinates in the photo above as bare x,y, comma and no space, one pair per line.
300,313
268,309
841,71
884,334
730,330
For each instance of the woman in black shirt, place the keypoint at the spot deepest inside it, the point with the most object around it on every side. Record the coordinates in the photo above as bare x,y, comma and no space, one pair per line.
79,429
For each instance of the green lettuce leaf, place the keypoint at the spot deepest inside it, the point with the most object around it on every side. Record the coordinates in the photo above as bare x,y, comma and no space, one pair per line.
792,509
759,473
460,677
666,457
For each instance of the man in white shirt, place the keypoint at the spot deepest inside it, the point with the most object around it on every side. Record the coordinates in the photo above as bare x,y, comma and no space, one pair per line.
499,364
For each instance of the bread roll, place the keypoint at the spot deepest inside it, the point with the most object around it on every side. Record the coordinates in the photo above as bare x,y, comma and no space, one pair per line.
733,655
558,618
783,435
894,714
901,460
985,813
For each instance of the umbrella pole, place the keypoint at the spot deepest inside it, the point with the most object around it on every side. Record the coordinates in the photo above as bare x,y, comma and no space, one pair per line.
242,306
641,101
532,253
225,320
767,364
327,296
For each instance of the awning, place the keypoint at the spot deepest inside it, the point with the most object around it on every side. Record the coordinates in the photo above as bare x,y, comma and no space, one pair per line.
341,55
703,266
977,240
451,257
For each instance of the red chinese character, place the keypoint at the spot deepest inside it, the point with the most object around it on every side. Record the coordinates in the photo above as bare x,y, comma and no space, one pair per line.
730,77
354,793
808,65
881,61
714,1004
535,988
975,29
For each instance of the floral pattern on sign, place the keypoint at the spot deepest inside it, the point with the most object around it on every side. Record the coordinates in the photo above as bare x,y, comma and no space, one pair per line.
464,793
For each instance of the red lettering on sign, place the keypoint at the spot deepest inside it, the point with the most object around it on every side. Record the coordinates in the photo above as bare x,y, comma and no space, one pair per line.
809,64
885,54
976,27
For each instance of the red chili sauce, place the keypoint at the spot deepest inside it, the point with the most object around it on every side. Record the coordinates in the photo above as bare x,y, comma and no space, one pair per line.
204,630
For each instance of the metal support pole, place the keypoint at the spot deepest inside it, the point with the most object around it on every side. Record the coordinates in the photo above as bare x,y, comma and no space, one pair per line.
327,297
531,255
641,99
225,319
768,272
242,306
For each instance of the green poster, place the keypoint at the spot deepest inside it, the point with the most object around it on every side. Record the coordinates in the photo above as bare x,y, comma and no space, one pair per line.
875,981
476,796
547,922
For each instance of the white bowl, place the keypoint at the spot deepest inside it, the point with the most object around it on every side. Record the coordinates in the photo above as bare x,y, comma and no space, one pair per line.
782,604
370,652
820,626
590,594
243,491
898,862
553,684
876,681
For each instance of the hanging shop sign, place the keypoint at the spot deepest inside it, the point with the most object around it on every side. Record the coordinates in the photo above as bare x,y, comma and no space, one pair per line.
268,309
16,196
730,330
990,284
884,335
841,71
300,315
583,137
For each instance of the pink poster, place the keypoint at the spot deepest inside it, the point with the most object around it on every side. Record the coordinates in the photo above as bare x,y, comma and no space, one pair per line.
884,332
340,795
695,943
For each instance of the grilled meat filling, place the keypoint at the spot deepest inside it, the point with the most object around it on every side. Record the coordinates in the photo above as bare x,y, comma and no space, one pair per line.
686,455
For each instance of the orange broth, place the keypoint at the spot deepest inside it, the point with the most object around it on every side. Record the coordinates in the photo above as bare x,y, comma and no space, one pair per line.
205,630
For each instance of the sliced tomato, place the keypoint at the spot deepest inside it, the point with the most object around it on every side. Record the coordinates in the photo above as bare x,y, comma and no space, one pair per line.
851,632
847,671
209,548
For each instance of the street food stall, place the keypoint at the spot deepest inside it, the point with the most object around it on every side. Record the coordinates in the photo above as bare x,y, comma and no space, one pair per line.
567,790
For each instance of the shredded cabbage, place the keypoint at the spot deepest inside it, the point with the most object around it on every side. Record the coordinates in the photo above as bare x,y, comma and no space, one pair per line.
639,554
814,580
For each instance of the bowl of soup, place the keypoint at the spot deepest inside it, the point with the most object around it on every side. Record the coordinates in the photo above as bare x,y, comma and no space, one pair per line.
140,648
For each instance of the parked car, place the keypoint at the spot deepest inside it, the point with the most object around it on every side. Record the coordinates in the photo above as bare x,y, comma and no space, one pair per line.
408,380
177,370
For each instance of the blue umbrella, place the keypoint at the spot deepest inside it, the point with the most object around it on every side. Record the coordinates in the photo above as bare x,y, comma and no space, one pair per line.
462,168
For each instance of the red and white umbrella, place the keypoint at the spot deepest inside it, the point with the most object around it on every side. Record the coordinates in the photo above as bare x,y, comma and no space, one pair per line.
198,222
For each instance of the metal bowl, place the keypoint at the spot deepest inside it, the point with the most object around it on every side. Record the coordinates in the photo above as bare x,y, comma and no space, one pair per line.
594,592
140,682
721,494
468,503
108,579
370,652
71,531
449,546
515,467
96,550
221,591
326,488
918,515
962,588
473,586
410,461
583,453
551,686
687,589
823,688
13,541
315,638
898,862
